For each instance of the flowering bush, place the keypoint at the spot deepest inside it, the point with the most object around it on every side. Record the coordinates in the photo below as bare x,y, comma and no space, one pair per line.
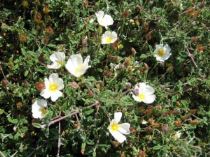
104,78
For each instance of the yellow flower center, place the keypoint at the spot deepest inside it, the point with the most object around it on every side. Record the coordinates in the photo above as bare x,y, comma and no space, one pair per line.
79,69
108,39
43,111
114,126
61,63
141,96
53,87
161,52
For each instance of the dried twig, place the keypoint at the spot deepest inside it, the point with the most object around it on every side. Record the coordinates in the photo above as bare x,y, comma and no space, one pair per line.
64,117
70,114
59,138
2,71
191,57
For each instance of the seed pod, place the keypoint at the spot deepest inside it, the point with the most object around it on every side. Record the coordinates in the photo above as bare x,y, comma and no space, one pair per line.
5,82
46,9
164,128
142,153
25,4
39,86
38,18
178,123
74,85
49,30
200,48
90,93
19,105
22,37
125,14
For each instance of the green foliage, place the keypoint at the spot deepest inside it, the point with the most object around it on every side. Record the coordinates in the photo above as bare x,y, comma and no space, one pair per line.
31,30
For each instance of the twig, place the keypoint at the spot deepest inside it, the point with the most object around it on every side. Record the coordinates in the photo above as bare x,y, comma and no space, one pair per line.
5,78
192,58
64,117
70,114
59,138
2,72
2,154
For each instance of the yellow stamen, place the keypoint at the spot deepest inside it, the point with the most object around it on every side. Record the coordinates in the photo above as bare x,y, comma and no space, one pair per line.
43,111
79,69
114,126
141,96
60,63
53,87
108,40
161,52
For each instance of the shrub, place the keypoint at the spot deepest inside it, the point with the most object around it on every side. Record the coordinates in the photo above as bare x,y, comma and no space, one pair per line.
76,124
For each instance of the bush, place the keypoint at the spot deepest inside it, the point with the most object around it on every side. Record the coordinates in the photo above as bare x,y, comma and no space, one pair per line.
76,124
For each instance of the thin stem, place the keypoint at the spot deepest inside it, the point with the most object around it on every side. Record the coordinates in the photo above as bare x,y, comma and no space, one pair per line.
191,57
70,114
64,117
59,138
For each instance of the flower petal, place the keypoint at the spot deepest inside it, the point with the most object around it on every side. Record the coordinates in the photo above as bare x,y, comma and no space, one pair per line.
100,14
124,128
69,66
60,56
45,93
167,48
136,98
53,77
108,20
36,106
148,89
149,99
118,136
117,116
86,61
54,65
158,46
60,83
56,95
53,57
46,82
42,102
76,59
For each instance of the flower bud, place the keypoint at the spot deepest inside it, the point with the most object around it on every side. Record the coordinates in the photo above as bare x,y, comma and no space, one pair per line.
39,86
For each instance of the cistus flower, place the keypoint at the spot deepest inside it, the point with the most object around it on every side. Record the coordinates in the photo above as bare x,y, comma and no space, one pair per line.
58,60
76,66
162,52
177,135
53,85
39,108
118,131
104,19
143,93
109,37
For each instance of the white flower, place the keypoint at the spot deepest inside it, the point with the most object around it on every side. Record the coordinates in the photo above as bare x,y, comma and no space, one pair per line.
144,122
119,131
108,37
58,60
177,135
144,93
53,85
76,66
162,53
39,108
104,19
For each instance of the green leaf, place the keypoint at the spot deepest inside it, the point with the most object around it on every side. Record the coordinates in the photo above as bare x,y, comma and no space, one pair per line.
1,111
